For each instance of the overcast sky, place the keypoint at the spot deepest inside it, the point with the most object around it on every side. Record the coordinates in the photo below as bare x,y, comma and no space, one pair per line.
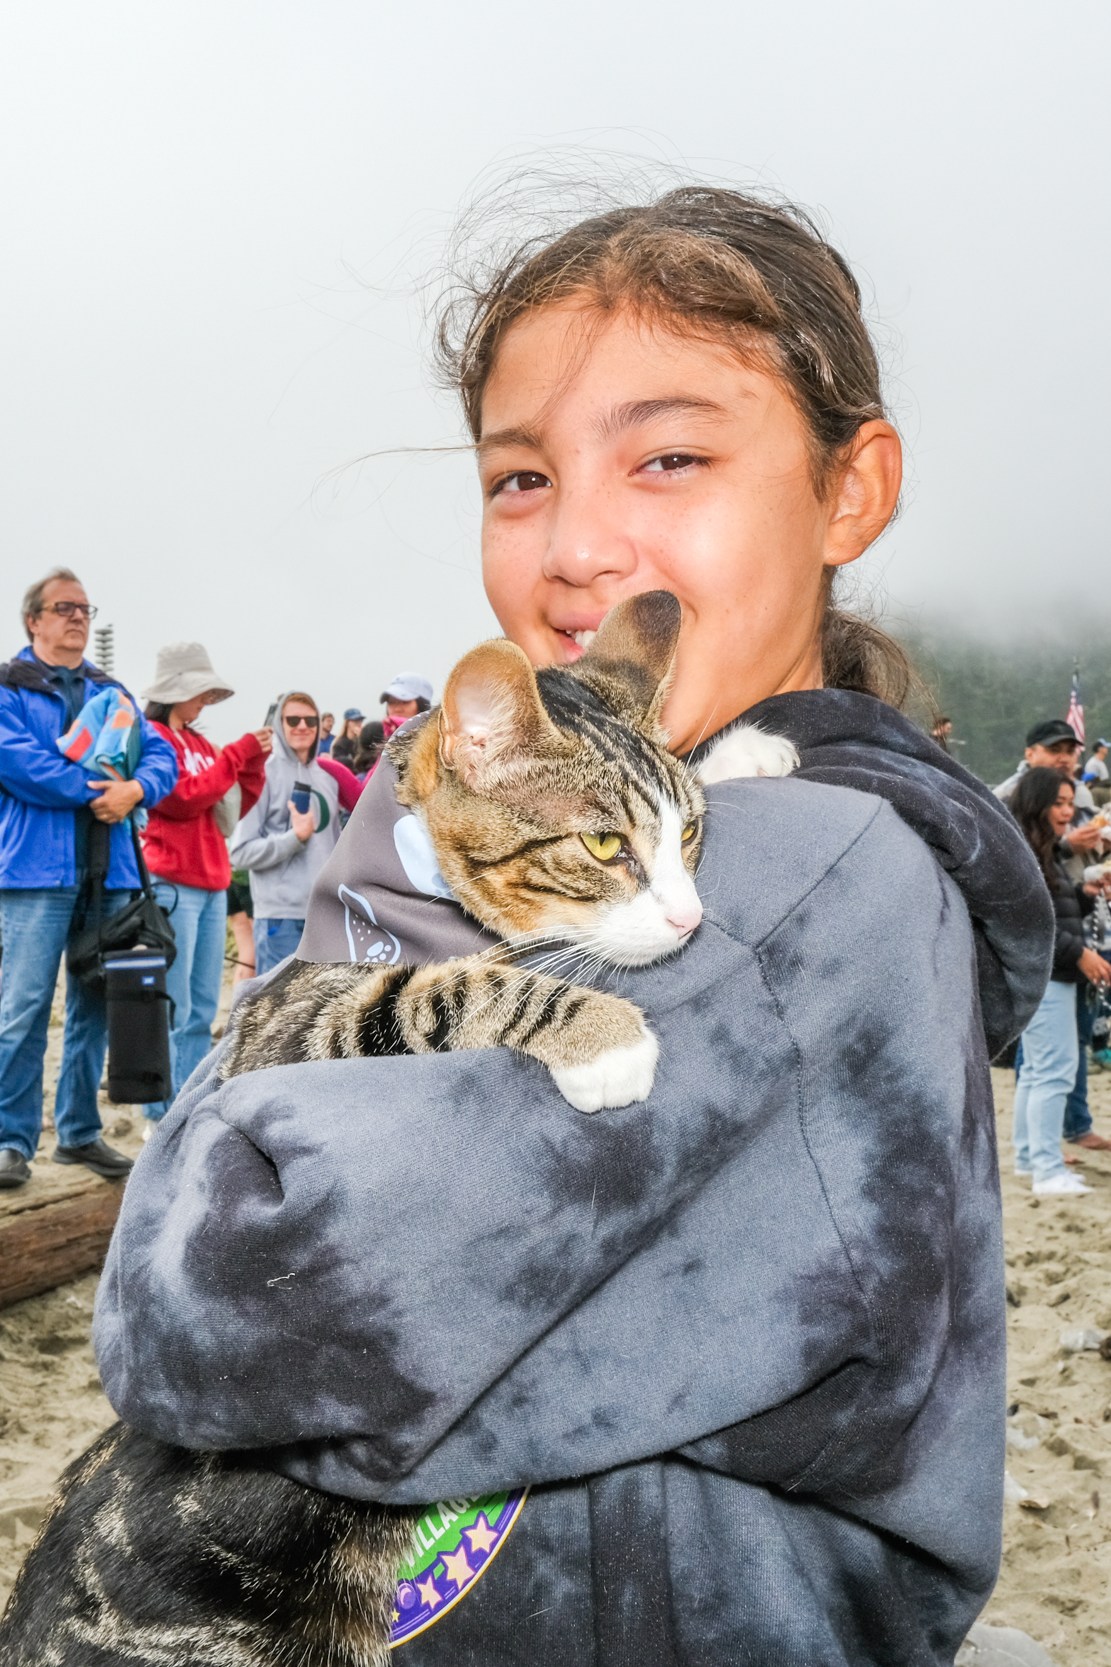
215,215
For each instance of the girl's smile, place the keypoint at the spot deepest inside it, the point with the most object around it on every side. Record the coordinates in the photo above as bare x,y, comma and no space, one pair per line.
617,457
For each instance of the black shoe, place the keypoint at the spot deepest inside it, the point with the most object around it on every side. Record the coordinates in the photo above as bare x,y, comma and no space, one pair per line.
96,1155
15,1171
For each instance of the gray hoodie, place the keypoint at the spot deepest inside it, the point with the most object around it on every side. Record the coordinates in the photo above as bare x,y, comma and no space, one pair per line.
742,1344
282,869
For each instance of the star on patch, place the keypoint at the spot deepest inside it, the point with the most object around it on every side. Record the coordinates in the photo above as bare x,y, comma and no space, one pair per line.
428,1593
457,1567
481,1536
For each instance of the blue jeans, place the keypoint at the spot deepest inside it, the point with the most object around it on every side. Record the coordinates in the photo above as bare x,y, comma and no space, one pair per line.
274,940
1049,1056
199,920
1078,1119
35,926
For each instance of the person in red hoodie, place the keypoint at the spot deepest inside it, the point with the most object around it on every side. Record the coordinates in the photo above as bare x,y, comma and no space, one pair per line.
186,850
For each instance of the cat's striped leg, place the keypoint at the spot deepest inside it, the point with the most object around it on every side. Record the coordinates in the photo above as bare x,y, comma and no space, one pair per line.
597,1047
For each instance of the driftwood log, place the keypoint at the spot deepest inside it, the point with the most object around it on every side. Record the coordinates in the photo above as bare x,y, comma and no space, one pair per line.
54,1228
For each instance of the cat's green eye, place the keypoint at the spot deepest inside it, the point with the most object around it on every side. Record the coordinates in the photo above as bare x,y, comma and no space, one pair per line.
689,832
604,846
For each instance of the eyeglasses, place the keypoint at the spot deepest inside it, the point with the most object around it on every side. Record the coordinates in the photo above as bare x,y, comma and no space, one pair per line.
67,610
296,722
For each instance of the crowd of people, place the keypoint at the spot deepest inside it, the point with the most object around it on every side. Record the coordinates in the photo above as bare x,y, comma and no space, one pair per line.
232,834
1060,804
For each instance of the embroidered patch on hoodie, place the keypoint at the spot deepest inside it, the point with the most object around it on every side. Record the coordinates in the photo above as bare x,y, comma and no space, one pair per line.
454,1544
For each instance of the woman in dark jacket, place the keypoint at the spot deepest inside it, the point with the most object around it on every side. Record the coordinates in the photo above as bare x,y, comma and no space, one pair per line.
1043,806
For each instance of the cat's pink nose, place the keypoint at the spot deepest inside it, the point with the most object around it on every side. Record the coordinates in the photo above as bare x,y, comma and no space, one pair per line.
685,917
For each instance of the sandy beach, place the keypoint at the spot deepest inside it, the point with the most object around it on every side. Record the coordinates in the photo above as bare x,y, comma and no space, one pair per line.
1056,1578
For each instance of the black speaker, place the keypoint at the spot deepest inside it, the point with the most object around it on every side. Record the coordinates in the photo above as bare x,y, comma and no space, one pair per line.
138,1027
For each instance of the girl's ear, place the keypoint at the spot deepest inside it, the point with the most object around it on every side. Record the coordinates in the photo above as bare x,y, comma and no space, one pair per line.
633,654
866,493
492,713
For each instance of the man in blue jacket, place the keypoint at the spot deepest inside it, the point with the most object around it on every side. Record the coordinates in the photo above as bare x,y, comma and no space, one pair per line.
47,806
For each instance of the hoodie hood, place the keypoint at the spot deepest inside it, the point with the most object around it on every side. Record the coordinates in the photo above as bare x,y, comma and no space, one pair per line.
847,739
281,746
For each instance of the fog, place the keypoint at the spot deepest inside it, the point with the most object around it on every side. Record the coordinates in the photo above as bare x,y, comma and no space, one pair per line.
221,221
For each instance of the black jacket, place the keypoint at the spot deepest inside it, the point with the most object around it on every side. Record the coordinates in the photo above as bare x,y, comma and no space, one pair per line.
1070,904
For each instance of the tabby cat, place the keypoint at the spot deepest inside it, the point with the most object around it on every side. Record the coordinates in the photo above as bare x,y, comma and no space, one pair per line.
556,813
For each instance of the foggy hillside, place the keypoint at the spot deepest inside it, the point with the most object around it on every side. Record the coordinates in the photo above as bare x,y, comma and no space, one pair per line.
994,690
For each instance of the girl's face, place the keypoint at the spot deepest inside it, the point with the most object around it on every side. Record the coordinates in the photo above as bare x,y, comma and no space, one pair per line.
616,458
1060,814
187,711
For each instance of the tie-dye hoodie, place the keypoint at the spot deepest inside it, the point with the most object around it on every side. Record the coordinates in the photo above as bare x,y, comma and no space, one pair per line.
743,1345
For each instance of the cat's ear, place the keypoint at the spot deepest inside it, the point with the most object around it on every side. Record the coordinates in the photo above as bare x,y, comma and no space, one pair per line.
492,713
635,646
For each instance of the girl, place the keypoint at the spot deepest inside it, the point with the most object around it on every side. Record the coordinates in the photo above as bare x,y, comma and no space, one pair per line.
185,849
1043,804
737,1353
346,743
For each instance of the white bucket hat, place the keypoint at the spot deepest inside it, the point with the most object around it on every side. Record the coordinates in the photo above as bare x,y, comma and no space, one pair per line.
182,672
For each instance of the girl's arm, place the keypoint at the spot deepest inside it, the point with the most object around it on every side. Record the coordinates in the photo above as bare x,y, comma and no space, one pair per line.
194,794
346,780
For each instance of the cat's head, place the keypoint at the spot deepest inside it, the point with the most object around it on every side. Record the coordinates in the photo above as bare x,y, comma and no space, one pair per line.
552,802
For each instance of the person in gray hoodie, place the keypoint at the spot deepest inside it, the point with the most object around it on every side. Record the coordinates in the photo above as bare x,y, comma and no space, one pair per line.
717,1378
286,838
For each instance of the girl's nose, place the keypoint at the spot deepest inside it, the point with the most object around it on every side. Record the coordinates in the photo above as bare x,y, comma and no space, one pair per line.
585,548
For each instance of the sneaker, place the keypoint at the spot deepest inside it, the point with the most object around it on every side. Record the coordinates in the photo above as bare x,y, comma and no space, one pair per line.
1060,1186
1023,1169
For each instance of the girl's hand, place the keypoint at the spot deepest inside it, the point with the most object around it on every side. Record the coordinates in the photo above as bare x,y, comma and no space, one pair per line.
265,738
1085,838
1094,968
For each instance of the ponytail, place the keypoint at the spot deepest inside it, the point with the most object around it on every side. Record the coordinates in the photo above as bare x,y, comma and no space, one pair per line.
858,655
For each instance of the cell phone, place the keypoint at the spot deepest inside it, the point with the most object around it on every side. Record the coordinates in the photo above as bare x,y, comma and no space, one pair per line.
271,715
301,796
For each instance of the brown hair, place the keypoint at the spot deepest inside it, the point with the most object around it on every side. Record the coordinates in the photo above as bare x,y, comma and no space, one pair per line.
727,266
1030,805
298,694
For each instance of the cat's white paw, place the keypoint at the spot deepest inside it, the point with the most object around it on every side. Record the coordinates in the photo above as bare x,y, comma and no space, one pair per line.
748,751
616,1078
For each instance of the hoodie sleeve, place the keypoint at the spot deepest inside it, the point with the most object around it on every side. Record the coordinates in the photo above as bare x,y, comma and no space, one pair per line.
253,848
34,770
194,794
420,1277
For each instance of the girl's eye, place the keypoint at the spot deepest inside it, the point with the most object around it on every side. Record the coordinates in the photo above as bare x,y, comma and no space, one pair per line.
689,832
670,462
525,480
604,846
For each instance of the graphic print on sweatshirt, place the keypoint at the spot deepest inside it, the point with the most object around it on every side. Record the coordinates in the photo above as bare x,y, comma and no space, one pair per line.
368,943
454,1544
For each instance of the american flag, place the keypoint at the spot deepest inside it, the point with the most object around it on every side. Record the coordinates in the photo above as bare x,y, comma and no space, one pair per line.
1075,715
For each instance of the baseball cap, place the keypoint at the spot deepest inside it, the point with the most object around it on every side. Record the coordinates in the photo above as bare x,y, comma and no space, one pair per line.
353,712
407,685
1050,731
